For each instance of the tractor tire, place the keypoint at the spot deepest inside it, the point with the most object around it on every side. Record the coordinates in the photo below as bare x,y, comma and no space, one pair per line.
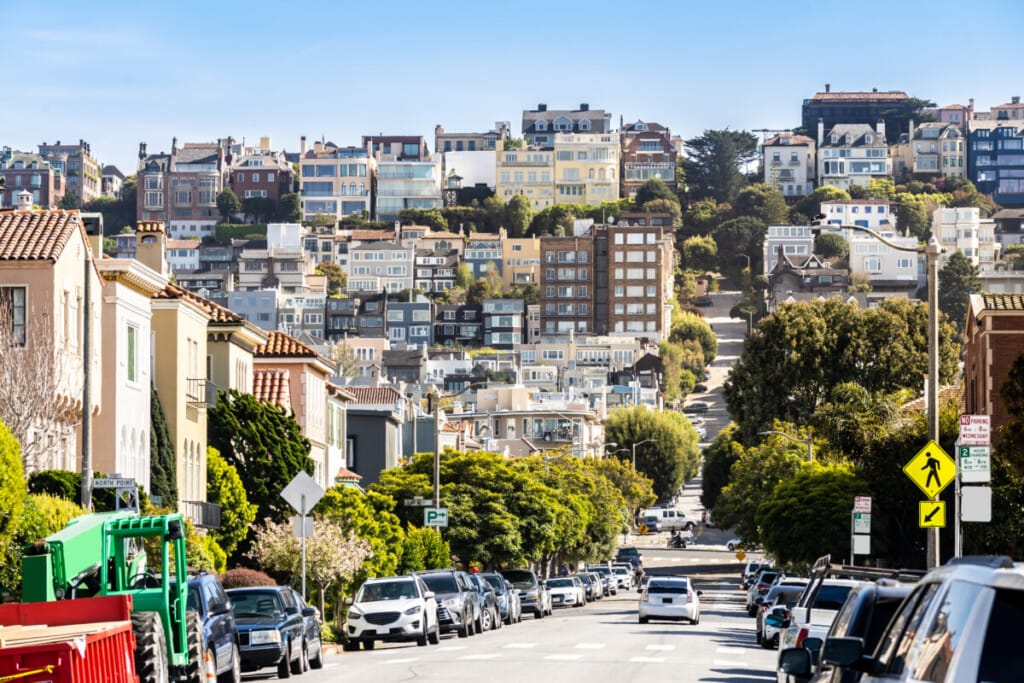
194,632
150,648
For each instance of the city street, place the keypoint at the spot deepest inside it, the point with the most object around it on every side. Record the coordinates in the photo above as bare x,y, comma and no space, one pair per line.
599,642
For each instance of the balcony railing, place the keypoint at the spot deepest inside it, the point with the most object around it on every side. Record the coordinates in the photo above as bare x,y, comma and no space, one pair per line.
204,515
200,393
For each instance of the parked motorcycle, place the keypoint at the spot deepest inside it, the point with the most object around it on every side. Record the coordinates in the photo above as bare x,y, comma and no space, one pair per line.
677,540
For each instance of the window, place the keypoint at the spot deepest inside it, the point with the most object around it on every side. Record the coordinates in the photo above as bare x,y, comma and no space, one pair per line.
942,639
13,305
132,369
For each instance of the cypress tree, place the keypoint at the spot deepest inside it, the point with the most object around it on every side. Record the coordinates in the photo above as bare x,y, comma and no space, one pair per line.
163,464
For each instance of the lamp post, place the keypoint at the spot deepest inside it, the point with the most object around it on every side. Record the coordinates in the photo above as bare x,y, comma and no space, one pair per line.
809,440
931,251
640,443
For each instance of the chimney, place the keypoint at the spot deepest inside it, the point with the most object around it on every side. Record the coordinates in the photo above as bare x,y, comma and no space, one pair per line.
821,131
910,131
1015,99
174,146
880,127
584,106
542,107
142,151
24,199
151,246
828,87
93,224
874,90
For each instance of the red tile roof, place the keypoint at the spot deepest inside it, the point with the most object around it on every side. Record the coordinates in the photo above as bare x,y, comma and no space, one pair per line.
281,345
1003,302
271,386
345,474
380,396
36,235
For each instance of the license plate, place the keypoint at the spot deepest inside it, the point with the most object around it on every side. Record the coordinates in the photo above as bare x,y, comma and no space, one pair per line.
370,632
667,601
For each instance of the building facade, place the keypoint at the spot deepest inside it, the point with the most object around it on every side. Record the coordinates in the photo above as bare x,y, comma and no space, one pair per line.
335,182
995,160
852,107
526,171
647,152
852,154
27,172
586,168
261,173
84,175
541,124
963,229
181,188
790,164
932,150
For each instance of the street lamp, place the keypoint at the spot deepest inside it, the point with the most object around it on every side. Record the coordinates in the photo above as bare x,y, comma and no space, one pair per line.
641,443
809,440
931,251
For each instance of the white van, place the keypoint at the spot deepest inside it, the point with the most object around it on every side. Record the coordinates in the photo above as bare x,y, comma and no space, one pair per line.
670,519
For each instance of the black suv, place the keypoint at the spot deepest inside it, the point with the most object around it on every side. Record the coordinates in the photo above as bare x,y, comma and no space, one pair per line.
270,628
207,598
456,601
629,554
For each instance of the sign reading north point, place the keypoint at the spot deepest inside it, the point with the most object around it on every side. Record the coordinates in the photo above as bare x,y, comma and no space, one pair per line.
931,469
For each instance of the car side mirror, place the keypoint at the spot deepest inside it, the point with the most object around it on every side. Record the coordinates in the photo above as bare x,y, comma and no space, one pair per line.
310,612
845,652
813,645
428,595
348,601
795,661
220,607
700,593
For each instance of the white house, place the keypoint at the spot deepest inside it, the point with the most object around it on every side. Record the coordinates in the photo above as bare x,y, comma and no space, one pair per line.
962,229
789,164
183,255
867,213
794,240
852,154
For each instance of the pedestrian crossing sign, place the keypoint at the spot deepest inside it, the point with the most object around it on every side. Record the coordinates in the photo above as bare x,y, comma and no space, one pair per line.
931,469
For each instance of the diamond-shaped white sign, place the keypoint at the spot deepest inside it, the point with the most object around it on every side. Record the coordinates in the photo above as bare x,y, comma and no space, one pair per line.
302,493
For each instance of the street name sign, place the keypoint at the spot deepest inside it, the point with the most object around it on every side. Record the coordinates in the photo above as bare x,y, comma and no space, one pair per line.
931,513
418,502
975,430
862,504
975,464
113,483
435,517
931,469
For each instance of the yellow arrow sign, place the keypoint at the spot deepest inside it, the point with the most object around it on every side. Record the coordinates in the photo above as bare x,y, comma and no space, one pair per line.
931,469
931,513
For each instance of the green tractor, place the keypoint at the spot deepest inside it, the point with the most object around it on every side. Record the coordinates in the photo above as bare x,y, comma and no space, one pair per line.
105,553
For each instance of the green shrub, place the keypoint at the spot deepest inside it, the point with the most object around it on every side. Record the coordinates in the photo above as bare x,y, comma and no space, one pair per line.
243,577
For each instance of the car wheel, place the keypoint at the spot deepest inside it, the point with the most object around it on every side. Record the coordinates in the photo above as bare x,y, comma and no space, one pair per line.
435,636
234,674
284,667
485,620
421,641
496,620
464,631
731,546
209,666
301,664
350,646
643,620
369,644
538,613
318,661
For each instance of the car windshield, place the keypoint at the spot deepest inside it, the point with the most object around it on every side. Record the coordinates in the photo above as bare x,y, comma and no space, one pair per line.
441,583
620,570
264,603
386,590
831,597
672,587
585,579
495,581
767,577
560,583
521,579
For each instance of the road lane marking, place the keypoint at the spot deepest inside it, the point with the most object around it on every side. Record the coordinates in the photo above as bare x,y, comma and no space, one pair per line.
666,648
732,651
520,646
647,660
451,648
476,658
404,660
590,646
564,658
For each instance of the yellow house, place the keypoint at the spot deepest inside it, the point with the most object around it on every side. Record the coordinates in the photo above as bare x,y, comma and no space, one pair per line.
520,258
586,168
528,171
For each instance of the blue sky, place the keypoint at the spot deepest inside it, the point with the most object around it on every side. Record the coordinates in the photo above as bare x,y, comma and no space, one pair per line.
117,73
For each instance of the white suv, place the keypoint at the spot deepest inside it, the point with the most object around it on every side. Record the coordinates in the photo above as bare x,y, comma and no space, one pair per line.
396,608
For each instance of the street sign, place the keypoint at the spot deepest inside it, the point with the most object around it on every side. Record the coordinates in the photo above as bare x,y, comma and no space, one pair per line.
931,513
975,464
300,529
302,486
113,483
862,504
862,522
976,504
435,517
418,502
975,430
931,469
740,555
861,544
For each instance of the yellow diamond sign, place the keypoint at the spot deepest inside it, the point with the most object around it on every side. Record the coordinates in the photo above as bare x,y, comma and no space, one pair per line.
931,469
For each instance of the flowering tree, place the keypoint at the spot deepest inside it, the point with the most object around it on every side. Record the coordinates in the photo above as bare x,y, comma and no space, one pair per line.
333,555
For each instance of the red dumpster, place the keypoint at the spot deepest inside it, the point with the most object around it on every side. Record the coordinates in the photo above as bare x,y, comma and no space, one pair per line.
89,640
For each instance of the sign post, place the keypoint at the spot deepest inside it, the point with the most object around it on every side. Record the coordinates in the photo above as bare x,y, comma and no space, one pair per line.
860,527
973,456
436,517
302,493
932,470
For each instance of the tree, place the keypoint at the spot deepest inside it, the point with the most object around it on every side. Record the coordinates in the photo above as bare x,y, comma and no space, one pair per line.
289,208
672,371
802,350
912,218
69,200
670,459
337,278
714,162
334,554
12,494
743,235
700,253
228,204
163,477
259,209
518,214
655,188
761,201
690,326
264,444
718,461
635,488
37,376
810,206
669,206
429,217
422,549
752,478
41,516
464,275
703,216
224,488
830,245
807,516
958,280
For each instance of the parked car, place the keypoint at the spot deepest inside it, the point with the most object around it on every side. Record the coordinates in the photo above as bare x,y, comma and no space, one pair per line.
611,582
812,616
867,611
624,575
751,570
700,388
704,300
456,601
591,586
670,519
758,588
533,593
312,647
628,553
960,623
669,597
490,614
509,607
650,523
784,594
207,598
699,407
566,591
702,432
270,628
393,609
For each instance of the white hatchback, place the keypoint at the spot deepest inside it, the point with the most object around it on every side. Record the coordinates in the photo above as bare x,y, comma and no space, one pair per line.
392,609
566,591
669,597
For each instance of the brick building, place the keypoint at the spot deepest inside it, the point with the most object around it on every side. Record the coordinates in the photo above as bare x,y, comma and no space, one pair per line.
83,173
181,188
25,171
994,338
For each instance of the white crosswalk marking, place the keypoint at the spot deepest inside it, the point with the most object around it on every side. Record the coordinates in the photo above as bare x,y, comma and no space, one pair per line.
564,658
520,646
665,648
404,660
647,660
451,648
477,658
590,646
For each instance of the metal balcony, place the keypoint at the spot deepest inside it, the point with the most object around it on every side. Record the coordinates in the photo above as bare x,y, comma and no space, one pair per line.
200,393
204,515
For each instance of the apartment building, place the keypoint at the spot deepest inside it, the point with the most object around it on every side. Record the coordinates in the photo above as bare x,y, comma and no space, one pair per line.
567,284
111,182
520,258
527,171
504,322
470,156
541,124
261,173
647,152
409,323
789,240
181,188
853,107
963,229
404,185
935,150
993,340
361,314
84,175
459,325
640,268
995,160
31,173
335,182
436,269
445,141
852,154
790,164
482,250
586,167
279,262
381,266
867,213
1008,111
